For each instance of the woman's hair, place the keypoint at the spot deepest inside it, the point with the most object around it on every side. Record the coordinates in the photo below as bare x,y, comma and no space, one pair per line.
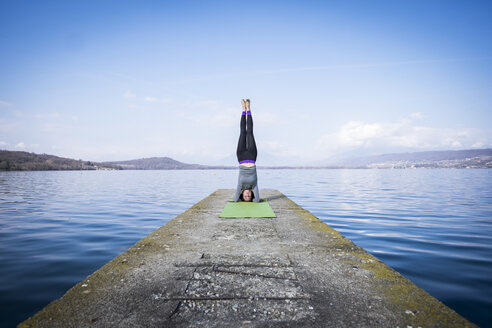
241,195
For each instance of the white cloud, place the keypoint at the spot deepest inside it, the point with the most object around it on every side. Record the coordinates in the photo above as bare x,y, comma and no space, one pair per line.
356,133
129,95
20,145
403,135
417,115
4,103
3,143
153,100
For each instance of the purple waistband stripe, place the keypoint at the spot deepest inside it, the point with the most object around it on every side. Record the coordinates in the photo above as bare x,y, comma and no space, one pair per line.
244,113
246,161
248,112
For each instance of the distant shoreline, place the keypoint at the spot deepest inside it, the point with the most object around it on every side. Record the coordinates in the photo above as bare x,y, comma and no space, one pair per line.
463,159
259,167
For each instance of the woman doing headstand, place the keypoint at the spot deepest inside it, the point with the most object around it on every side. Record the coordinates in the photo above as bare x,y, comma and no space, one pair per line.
247,184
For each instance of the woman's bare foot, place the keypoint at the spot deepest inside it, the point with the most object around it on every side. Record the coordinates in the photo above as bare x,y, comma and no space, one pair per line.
247,105
243,102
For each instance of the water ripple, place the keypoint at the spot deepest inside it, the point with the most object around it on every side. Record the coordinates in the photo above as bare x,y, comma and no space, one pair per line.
433,226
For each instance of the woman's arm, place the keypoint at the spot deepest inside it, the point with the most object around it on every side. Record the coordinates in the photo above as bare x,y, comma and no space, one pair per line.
237,195
256,192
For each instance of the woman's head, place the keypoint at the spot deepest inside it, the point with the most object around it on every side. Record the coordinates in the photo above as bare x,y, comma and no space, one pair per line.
247,195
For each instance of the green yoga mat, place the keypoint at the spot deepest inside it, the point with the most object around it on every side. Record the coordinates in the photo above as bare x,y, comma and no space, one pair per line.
247,210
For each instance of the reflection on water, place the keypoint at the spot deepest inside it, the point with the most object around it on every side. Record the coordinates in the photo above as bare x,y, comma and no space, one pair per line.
433,226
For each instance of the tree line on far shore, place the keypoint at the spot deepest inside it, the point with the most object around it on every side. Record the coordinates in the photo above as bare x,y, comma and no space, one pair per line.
25,161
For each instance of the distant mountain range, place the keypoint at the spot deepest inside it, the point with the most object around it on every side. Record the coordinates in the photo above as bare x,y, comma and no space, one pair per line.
161,163
472,158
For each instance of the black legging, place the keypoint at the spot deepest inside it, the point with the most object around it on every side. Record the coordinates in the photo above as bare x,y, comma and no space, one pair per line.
246,147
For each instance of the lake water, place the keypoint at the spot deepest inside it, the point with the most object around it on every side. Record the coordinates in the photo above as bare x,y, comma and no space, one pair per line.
432,225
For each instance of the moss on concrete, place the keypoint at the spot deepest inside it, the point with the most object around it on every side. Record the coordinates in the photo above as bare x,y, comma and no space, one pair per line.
420,308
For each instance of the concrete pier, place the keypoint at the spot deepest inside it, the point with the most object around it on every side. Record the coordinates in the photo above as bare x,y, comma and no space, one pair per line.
199,270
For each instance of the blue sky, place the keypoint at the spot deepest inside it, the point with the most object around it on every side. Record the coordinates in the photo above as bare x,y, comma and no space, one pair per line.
115,80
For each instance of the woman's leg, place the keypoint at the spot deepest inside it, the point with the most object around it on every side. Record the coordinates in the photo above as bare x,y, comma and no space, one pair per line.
250,138
241,145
